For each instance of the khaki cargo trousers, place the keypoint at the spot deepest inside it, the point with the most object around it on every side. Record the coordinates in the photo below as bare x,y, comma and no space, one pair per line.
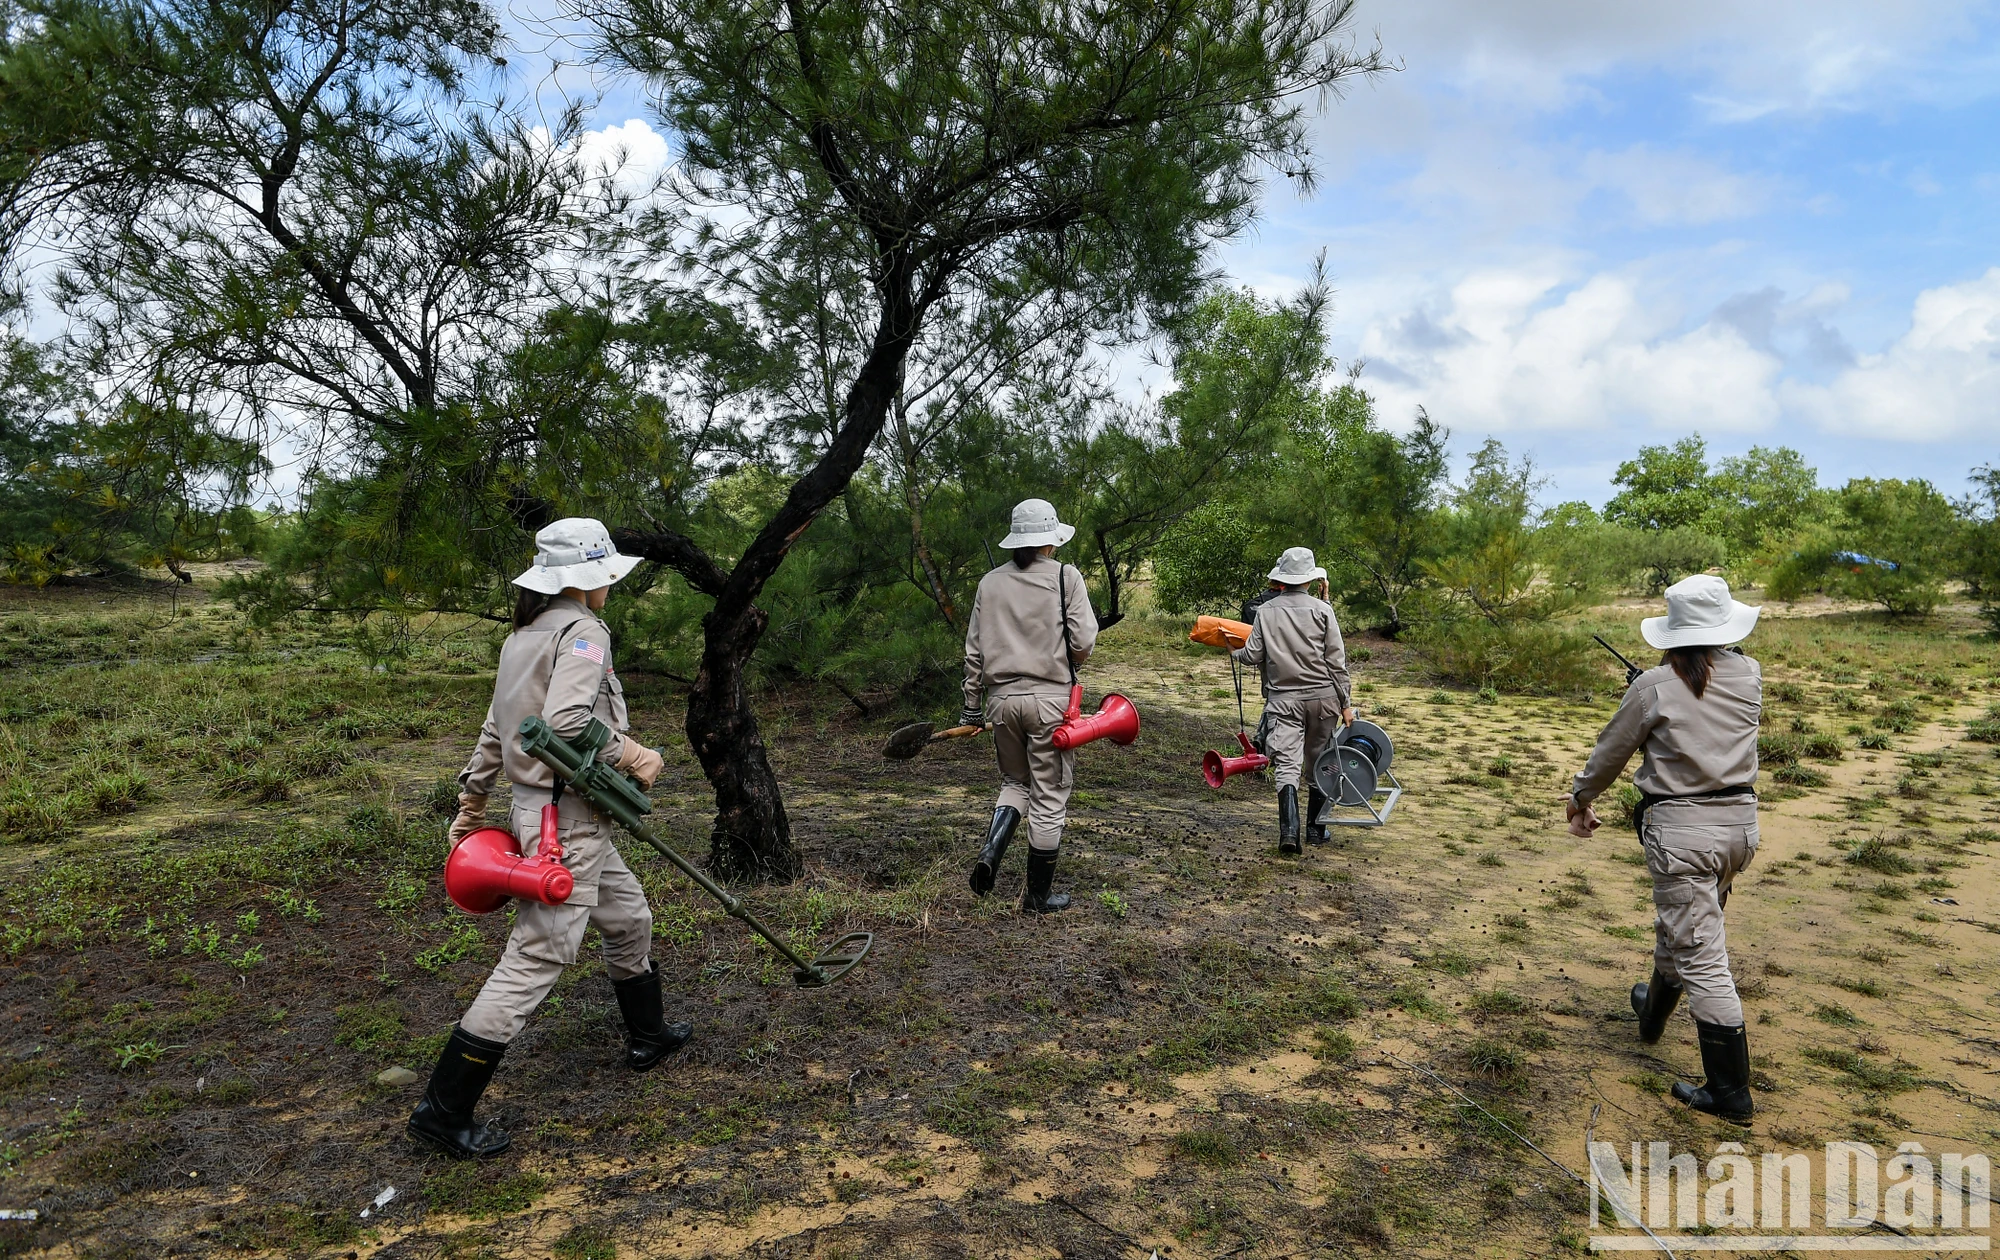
1035,777
1694,850
1302,723
548,938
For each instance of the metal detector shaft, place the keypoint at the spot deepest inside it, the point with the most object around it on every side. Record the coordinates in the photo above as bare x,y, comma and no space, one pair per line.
605,787
1631,671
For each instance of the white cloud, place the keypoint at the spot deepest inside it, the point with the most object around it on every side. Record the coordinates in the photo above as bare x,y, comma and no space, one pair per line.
632,152
1770,56
1668,187
1513,351
1525,351
1937,382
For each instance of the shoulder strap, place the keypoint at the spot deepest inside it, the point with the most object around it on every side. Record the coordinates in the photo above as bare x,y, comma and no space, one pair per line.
1062,618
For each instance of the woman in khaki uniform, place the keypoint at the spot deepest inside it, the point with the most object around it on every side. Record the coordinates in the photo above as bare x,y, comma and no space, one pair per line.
556,665
1695,716
1031,626
1295,644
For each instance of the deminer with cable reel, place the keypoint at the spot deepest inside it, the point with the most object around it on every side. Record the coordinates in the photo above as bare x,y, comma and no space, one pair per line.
555,667
1031,626
1296,643
1694,718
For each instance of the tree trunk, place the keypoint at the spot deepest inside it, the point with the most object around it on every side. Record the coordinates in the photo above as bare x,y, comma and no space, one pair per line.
913,502
752,837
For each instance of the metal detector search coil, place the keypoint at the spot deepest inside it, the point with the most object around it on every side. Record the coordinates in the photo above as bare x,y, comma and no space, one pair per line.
1352,772
575,763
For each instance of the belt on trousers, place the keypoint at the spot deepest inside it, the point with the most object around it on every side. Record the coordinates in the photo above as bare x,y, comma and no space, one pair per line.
1647,800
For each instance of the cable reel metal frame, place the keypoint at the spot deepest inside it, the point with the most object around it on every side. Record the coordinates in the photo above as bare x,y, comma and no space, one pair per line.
1352,771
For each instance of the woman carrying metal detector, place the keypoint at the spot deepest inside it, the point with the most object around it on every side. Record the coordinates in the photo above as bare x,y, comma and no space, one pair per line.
1296,643
556,665
1695,716
1031,626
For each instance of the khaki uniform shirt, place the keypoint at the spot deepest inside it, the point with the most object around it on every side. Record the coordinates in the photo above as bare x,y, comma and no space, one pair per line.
1296,638
1014,638
1691,745
558,666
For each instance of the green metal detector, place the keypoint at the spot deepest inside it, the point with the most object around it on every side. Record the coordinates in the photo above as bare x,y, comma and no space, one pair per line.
576,764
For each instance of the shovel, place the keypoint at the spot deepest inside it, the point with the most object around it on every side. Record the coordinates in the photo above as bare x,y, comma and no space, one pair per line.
910,740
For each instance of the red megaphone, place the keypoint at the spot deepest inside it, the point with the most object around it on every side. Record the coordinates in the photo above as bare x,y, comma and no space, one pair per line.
1115,720
1217,768
487,868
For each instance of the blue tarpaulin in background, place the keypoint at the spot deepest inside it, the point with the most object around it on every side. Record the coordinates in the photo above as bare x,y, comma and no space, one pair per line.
1856,559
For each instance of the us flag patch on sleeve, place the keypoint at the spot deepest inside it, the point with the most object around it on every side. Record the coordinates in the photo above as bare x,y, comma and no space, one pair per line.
595,651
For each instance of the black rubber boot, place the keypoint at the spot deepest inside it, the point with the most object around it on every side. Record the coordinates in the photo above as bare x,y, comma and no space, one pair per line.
648,1036
1288,820
1654,1001
1315,802
998,834
444,1117
1036,897
1725,1060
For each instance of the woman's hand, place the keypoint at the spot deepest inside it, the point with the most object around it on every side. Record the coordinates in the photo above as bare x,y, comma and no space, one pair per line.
471,817
1582,820
1347,716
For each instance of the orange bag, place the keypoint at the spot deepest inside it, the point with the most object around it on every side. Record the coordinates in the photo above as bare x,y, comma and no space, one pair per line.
1219,632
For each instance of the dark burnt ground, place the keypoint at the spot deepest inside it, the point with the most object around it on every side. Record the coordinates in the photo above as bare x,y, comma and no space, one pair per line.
201,993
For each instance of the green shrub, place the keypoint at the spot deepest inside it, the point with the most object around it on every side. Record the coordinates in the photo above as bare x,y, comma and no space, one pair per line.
1522,658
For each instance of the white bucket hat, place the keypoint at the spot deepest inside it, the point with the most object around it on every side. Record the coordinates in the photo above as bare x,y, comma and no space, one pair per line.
1700,613
1036,525
1296,567
575,551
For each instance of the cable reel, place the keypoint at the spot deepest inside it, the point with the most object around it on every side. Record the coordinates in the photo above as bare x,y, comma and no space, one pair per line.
1353,769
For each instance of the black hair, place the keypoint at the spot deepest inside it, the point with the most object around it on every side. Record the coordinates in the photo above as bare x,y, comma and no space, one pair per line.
1693,665
1025,556
529,605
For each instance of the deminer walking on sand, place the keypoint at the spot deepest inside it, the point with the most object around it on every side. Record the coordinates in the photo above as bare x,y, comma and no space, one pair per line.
556,665
1296,640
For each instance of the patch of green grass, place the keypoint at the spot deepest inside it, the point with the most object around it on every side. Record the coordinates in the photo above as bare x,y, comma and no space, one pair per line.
1837,1015
1493,1058
1878,855
1417,1000
1901,717
1332,1044
1625,932
1498,1002
1876,1077
1874,741
586,1242
1449,961
482,1190
1796,775
1649,1082
1330,997
1866,988
1211,1148
369,1027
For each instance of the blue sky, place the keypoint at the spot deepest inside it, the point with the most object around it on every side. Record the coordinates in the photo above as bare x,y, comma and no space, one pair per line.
1580,226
